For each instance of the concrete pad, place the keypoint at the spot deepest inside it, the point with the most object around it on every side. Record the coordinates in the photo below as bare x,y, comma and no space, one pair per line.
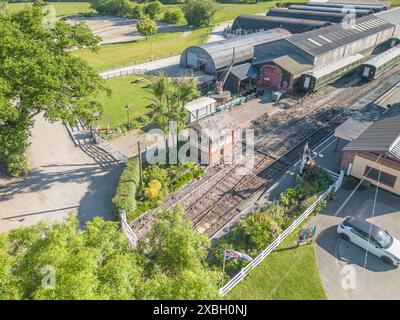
62,179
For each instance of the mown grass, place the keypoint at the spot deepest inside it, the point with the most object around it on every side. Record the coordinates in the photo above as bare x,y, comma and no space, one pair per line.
62,8
290,274
160,45
395,3
137,95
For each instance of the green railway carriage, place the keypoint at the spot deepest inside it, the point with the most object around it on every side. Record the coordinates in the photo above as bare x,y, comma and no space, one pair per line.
375,67
322,76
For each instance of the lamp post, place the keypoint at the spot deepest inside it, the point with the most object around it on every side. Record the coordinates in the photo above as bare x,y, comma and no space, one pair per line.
127,115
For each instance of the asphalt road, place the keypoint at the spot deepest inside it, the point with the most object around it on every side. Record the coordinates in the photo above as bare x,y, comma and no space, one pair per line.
63,178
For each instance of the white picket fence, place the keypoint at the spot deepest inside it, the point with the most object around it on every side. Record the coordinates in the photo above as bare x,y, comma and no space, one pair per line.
260,258
130,235
108,147
123,72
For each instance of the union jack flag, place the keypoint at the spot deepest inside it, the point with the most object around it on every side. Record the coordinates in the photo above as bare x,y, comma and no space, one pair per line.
236,255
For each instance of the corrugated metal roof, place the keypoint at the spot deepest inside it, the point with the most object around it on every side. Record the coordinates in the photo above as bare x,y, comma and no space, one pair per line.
380,135
199,103
257,22
356,5
309,15
358,12
353,127
293,64
332,66
384,57
320,41
221,52
378,2
391,16
396,150
244,71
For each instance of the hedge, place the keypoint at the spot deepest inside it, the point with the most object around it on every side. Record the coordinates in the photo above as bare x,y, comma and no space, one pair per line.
125,196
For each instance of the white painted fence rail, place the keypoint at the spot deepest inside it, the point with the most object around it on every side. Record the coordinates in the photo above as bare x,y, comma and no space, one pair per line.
123,72
130,235
256,261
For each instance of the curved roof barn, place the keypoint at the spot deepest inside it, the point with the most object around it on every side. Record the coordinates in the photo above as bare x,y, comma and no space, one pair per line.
214,56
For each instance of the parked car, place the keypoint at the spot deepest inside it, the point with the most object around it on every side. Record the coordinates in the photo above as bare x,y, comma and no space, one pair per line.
372,238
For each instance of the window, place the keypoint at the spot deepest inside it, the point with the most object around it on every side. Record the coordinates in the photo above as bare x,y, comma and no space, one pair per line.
383,177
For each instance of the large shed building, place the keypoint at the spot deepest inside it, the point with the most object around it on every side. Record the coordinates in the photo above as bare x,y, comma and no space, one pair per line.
211,57
308,15
253,23
282,62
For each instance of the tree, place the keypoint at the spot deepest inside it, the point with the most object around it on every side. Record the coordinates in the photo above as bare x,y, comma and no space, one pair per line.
200,13
174,15
171,97
38,75
111,7
63,262
146,26
95,264
176,255
153,10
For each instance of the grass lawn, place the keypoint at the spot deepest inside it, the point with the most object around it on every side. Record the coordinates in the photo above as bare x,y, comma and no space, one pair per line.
136,95
230,11
62,8
163,44
283,275
395,3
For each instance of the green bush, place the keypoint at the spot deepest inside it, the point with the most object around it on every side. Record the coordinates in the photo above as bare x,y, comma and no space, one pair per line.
259,230
16,165
174,15
125,196
136,12
154,10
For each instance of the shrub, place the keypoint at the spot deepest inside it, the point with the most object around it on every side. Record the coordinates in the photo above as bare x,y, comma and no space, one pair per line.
136,12
153,10
174,15
125,196
16,165
259,230
200,13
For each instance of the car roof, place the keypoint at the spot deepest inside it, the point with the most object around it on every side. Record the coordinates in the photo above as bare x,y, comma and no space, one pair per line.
363,226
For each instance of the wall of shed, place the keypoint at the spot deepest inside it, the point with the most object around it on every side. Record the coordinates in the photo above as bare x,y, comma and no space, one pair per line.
203,60
362,160
364,46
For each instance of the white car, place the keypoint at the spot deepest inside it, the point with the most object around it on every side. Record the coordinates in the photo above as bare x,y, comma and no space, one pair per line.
379,243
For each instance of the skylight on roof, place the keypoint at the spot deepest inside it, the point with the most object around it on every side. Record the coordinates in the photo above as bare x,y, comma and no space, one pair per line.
325,38
315,42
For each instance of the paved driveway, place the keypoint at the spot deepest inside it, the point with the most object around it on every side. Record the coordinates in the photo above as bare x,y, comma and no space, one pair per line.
62,179
339,260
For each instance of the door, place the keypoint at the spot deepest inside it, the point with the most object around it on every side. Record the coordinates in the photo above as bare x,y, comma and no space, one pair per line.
306,82
192,60
366,72
359,238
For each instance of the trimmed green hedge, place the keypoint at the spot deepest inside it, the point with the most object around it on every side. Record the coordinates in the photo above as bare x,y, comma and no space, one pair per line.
125,196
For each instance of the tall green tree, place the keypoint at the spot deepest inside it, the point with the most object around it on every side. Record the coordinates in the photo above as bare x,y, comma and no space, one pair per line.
170,99
38,75
176,255
62,261
200,13
146,27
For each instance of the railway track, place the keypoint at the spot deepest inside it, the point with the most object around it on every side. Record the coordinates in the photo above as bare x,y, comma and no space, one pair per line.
275,152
